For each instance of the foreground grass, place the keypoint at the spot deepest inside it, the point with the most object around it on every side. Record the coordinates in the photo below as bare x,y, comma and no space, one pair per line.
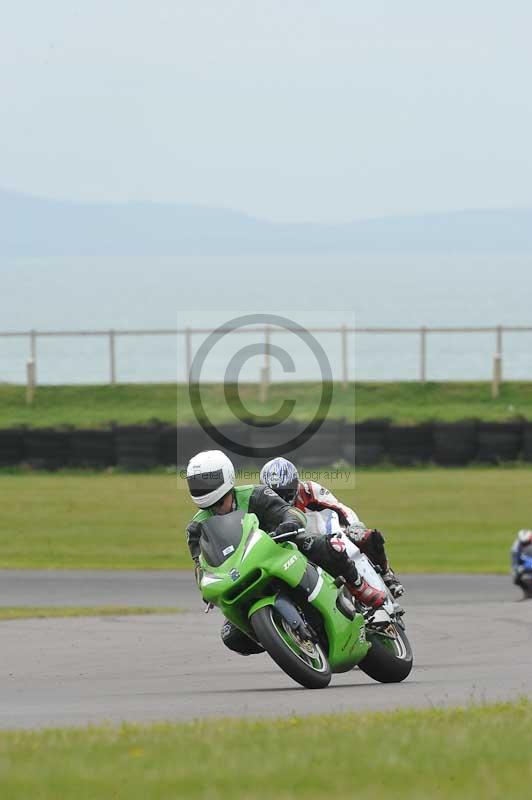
44,612
435,520
461,753
127,404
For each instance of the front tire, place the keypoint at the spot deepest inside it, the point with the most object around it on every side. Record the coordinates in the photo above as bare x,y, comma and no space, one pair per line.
389,660
305,662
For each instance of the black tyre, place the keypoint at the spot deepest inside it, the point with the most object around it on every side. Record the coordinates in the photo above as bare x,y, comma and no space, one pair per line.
389,660
305,662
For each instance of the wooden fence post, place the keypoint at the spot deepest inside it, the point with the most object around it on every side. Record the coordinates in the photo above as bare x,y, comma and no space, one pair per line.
345,373
112,358
33,353
30,381
423,355
496,380
188,352
499,349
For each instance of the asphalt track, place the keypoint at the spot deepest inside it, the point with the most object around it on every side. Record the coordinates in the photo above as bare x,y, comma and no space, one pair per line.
472,640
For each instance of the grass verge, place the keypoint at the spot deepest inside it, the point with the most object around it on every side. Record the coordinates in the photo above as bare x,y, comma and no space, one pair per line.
459,753
44,612
435,520
128,404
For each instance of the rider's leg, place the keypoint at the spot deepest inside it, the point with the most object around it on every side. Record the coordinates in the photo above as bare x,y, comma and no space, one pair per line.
237,641
329,552
371,543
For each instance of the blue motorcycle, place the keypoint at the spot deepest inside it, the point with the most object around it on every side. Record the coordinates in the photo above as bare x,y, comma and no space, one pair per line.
522,568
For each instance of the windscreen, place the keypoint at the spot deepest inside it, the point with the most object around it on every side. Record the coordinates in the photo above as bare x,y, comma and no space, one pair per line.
220,537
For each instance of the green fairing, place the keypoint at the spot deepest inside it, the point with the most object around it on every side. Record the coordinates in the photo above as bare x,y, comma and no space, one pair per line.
262,603
347,638
261,563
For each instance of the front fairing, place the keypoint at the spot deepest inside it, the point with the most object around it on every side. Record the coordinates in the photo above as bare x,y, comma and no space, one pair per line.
254,571
525,558
246,574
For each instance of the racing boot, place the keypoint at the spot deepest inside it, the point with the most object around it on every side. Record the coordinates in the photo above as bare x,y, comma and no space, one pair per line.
330,553
366,594
237,641
394,585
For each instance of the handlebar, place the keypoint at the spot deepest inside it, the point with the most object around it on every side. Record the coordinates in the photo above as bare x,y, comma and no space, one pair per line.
281,536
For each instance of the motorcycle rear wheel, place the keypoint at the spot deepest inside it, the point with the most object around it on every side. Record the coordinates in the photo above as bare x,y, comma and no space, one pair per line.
305,662
389,660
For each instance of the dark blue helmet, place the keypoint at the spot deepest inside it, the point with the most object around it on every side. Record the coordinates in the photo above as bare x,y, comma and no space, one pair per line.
281,476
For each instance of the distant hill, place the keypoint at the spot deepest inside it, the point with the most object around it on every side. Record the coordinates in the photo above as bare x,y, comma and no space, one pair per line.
35,226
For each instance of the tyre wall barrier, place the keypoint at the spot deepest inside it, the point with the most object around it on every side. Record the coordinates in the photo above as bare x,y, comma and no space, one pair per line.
92,448
454,443
140,447
274,436
364,444
187,441
11,447
137,447
499,441
527,441
322,448
46,448
409,445
168,446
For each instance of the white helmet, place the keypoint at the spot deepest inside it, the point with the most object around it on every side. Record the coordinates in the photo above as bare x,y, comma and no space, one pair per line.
525,536
210,475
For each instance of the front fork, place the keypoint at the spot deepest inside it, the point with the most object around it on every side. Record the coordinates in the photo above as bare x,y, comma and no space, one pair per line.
288,612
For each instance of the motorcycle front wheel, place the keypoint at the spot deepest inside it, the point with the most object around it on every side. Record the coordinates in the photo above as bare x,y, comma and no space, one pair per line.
390,659
302,660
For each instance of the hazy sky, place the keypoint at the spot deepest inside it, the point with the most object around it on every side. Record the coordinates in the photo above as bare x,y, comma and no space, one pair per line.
293,110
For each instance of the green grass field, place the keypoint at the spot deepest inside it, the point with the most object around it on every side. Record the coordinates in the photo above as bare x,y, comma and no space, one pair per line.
476,752
407,402
435,520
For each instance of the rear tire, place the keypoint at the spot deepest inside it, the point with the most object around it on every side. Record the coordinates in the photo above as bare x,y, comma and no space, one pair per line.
388,660
308,665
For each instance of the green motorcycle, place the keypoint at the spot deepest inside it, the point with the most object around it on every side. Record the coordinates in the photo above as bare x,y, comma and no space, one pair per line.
305,619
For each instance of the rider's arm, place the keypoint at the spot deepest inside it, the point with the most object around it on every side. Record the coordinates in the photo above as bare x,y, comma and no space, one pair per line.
193,537
272,510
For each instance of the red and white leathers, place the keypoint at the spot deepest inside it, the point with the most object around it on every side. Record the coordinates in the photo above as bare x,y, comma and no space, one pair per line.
312,496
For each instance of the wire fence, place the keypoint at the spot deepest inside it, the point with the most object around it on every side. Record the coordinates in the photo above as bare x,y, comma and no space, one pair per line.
341,347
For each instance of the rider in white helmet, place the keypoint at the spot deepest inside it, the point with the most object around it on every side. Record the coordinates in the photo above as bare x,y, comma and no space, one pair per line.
282,476
211,482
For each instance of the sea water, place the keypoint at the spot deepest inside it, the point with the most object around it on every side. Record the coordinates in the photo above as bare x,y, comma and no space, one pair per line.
372,291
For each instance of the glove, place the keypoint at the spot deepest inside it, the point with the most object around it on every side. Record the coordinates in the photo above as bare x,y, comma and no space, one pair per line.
359,534
286,527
